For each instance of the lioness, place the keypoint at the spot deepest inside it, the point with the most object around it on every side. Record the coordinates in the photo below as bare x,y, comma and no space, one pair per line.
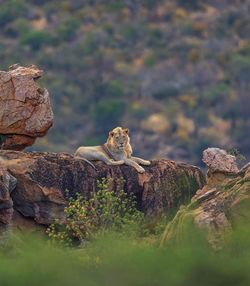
116,151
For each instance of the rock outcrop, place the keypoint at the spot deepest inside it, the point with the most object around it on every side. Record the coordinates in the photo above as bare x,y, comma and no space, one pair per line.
219,160
25,109
46,180
216,208
7,185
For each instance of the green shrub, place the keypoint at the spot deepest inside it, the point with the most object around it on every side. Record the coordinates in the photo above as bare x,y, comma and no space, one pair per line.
166,92
150,60
115,6
130,33
113,260
36,39
190,4
68,28
235,152
113,88
155,38
11,10
240,67
151,4
217,92
108,28
90,45
137,111
19,27
104,210
108,113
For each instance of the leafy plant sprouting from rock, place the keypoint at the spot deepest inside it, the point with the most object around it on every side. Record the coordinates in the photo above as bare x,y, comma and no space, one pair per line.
104,210
235,152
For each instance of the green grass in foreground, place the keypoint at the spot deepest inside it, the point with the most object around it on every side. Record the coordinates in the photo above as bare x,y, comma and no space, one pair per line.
116,260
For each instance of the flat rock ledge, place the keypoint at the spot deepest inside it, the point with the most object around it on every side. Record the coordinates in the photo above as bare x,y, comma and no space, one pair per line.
40,183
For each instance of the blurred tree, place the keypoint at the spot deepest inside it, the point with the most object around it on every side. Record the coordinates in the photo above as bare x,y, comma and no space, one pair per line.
36,39
11,10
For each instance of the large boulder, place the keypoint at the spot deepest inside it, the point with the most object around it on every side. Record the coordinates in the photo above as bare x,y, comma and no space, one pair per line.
221,205
25,109
46,180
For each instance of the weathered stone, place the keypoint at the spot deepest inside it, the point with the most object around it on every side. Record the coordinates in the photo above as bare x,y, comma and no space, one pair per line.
222,204
7,185
219,160
25,110
46,180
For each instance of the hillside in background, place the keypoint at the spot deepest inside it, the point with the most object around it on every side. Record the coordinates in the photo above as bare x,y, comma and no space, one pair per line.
176,73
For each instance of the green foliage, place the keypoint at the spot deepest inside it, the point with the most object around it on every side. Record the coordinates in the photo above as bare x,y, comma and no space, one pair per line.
215,93
150,4
226,23
235,152
166,92
137,111
113,260
19,27
68,28
107,113
90,44
11,10
150,60
190,4
115,6
104,210
240,66
155,38
36,39
112,89
130,33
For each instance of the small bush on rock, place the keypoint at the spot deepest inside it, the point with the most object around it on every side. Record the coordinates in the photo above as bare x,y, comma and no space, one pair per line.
105,210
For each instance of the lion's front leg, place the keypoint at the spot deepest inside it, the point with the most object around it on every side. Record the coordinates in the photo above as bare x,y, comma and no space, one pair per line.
141,161
132,163
108,161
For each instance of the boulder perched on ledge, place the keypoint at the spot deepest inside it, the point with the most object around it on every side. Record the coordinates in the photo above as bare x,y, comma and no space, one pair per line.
44,179
25,109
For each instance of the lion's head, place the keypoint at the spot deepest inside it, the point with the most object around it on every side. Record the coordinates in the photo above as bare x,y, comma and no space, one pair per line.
118,138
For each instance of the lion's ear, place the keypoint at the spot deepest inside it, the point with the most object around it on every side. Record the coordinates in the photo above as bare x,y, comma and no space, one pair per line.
111,134
126,130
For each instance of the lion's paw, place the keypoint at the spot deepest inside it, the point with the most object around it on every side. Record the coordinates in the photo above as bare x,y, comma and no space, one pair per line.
141,170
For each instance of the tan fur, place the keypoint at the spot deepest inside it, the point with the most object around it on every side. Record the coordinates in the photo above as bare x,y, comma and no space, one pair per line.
116,151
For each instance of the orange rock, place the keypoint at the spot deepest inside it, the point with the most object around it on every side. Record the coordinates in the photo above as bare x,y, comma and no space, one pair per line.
25,109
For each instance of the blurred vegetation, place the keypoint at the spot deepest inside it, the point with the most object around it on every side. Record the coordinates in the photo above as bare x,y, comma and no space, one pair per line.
115,260
110,63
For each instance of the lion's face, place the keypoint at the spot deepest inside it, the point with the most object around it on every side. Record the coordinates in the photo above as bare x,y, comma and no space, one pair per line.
119,138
